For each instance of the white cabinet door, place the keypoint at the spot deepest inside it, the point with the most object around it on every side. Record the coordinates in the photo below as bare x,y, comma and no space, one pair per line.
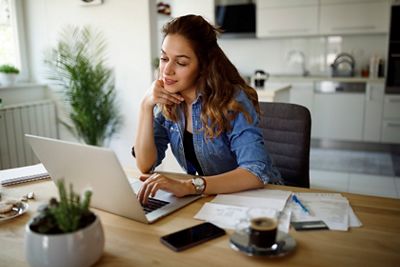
391,131
338,116
391,119
302,93
391,108
354,17
287,19
373,112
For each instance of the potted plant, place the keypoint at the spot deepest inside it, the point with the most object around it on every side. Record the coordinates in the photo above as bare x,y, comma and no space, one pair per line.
8,74
65,233
156,68
77,66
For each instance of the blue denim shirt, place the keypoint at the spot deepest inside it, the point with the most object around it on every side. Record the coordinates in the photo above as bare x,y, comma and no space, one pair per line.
242,146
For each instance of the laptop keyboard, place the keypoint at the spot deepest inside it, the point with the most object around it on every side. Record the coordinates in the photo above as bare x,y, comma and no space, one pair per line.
153,204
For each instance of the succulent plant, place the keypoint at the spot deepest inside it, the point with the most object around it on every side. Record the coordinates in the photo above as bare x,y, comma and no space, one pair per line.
65,215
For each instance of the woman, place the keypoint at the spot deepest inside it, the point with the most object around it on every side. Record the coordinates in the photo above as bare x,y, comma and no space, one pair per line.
206,112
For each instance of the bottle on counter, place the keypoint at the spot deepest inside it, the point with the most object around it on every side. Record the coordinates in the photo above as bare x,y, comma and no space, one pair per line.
374,66
381,68
365,71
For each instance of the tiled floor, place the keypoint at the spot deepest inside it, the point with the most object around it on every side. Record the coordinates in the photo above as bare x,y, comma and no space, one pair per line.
369,173
365,184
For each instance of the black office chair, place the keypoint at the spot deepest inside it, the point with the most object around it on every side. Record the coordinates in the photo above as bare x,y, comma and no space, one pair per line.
287,129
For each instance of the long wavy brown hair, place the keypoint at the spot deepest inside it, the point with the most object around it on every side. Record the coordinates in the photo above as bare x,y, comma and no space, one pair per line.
218,80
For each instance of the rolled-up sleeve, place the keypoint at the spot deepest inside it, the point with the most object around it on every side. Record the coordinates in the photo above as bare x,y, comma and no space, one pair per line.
247,144
161,137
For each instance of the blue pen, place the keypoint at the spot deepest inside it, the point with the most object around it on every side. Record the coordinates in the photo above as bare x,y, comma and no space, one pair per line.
297,200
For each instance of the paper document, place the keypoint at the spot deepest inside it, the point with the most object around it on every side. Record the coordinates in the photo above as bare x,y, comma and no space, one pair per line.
225,216
226,210
260,198
333,209
23,174
228,216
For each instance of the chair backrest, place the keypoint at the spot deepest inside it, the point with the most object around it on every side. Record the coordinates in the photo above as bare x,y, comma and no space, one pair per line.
287,129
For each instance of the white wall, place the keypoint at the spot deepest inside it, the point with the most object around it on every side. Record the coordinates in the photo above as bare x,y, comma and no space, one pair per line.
126,27
271,55
204,8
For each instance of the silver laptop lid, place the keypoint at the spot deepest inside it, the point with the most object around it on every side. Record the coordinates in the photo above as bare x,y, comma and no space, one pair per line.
90,167
98,169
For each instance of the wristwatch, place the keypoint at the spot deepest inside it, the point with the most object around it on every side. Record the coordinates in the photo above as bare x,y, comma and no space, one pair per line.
199,184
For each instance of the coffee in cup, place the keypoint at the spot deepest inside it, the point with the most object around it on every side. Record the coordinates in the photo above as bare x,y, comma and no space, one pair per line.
263,232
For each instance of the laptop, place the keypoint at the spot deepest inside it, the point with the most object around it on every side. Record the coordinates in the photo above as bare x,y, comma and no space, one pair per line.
98,169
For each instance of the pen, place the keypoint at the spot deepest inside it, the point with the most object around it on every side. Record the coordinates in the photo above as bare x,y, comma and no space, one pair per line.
297,200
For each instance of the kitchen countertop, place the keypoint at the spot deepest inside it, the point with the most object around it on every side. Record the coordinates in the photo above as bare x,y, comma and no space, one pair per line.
317,78
271,89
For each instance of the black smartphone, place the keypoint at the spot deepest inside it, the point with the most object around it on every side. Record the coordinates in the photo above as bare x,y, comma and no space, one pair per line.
192,236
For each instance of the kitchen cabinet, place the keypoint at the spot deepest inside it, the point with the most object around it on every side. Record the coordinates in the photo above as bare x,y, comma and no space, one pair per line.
391,119
286,18
302,93
354,16
338,116
373,112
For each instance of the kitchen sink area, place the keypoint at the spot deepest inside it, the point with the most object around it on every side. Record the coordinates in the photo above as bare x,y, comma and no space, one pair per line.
342,108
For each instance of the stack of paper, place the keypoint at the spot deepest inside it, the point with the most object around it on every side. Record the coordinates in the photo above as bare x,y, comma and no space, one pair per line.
227,210
23,175
332,208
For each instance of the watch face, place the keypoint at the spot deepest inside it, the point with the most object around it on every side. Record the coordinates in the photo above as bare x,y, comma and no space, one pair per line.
198,181
199,184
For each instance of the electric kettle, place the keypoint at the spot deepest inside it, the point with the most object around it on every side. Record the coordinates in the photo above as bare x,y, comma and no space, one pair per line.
259,78
343,66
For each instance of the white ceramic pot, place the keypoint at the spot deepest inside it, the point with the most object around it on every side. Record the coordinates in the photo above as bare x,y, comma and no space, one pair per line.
78,249
7,79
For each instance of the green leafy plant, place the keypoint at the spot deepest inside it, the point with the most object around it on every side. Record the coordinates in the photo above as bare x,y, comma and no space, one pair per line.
9,69
77,65
156,62
65,215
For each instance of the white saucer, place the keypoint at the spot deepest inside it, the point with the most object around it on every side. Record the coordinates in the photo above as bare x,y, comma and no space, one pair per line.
20,209
285,243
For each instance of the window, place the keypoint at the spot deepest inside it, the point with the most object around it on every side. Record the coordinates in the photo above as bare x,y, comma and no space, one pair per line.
12,45
7,42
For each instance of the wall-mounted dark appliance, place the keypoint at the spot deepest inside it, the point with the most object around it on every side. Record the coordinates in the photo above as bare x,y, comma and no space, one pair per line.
236,20
393,61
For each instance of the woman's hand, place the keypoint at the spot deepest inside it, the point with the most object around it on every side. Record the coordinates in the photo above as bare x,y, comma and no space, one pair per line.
158,95
152,183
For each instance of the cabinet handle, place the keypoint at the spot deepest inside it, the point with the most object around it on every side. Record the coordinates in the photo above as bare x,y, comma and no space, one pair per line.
369,27
288,30
395,55
369,94
393,100
393,124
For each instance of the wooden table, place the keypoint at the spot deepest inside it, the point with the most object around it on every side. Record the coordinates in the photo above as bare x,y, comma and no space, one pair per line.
130,243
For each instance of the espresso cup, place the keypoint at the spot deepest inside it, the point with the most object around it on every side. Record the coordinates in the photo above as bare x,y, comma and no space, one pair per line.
263,227
263,232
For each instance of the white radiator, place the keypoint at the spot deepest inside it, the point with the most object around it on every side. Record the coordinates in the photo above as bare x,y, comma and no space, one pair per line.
38,118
